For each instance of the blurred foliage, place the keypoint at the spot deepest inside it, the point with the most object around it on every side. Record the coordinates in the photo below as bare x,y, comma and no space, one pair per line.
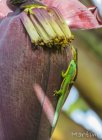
92,40
86,2
66,129
89,80
79,104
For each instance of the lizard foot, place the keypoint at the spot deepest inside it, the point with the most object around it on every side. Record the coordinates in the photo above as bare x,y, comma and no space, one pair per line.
59,92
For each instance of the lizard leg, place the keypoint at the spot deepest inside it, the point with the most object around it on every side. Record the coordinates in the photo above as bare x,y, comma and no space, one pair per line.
64,74
59,92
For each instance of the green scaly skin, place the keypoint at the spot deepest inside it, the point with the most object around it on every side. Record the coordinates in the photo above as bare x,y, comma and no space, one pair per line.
69,77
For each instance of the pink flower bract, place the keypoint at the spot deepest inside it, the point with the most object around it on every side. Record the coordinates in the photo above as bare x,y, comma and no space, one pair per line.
75,13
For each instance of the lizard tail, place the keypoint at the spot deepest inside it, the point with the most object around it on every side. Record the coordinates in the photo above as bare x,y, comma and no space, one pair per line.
55,121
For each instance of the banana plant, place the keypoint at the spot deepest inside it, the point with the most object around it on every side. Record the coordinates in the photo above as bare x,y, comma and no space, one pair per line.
35,47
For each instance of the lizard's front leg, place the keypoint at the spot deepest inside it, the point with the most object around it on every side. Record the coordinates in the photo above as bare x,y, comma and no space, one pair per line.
59,92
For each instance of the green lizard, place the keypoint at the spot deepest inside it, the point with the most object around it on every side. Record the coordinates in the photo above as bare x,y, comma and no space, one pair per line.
68,79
